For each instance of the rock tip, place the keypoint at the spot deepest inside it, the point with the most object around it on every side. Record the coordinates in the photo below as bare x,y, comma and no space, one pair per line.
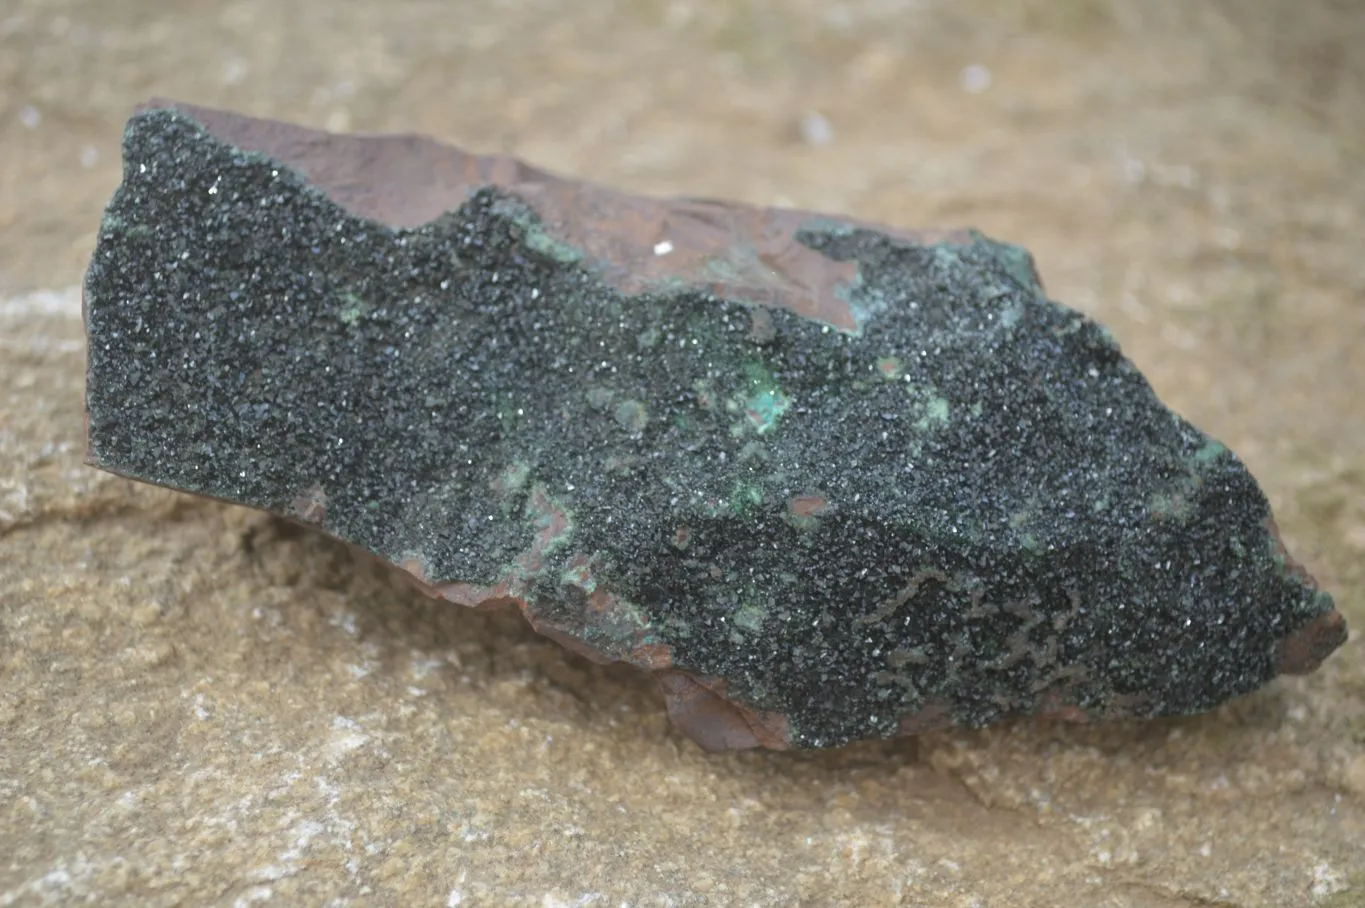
1304,650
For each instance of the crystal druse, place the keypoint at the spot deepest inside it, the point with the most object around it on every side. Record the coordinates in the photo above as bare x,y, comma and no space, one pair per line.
827,480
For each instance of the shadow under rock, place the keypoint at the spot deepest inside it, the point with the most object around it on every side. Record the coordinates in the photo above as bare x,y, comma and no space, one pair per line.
401,619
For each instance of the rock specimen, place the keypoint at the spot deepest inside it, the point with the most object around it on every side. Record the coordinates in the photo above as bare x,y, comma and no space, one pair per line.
827,481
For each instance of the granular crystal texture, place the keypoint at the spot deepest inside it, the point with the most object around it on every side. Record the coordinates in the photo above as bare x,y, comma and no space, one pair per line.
829,481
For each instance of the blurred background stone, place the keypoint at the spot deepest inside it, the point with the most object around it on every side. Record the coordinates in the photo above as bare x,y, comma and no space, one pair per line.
294,727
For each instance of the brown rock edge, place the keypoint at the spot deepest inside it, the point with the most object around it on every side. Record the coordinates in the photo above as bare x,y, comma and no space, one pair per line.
409,180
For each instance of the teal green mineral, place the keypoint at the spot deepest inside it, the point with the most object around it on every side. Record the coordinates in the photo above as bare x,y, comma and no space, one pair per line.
827,480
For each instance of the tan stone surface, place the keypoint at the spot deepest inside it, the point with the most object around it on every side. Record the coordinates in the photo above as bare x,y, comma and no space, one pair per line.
201,707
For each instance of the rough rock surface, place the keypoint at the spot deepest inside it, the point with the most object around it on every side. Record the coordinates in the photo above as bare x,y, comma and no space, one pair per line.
829,481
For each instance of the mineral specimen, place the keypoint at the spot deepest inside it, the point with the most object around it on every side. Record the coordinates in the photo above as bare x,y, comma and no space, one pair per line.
828,481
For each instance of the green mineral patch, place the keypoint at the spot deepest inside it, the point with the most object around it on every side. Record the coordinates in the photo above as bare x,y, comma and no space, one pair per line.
632,416
512,479
763,403
752,450
534,235
612,624
621,464
1012,313
580,575
750,617
599,398
1169,504
933,409
540,241
1211,451
648,339
1175,502
828,226
744,498
863,302
935,413
1016,259
764,408
354,309
113,223
948,256
1070,327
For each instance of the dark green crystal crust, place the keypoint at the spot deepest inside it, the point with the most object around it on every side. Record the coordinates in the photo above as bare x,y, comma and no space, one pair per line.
973,503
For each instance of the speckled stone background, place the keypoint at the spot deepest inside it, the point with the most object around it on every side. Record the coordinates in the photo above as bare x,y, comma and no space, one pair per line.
199,706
